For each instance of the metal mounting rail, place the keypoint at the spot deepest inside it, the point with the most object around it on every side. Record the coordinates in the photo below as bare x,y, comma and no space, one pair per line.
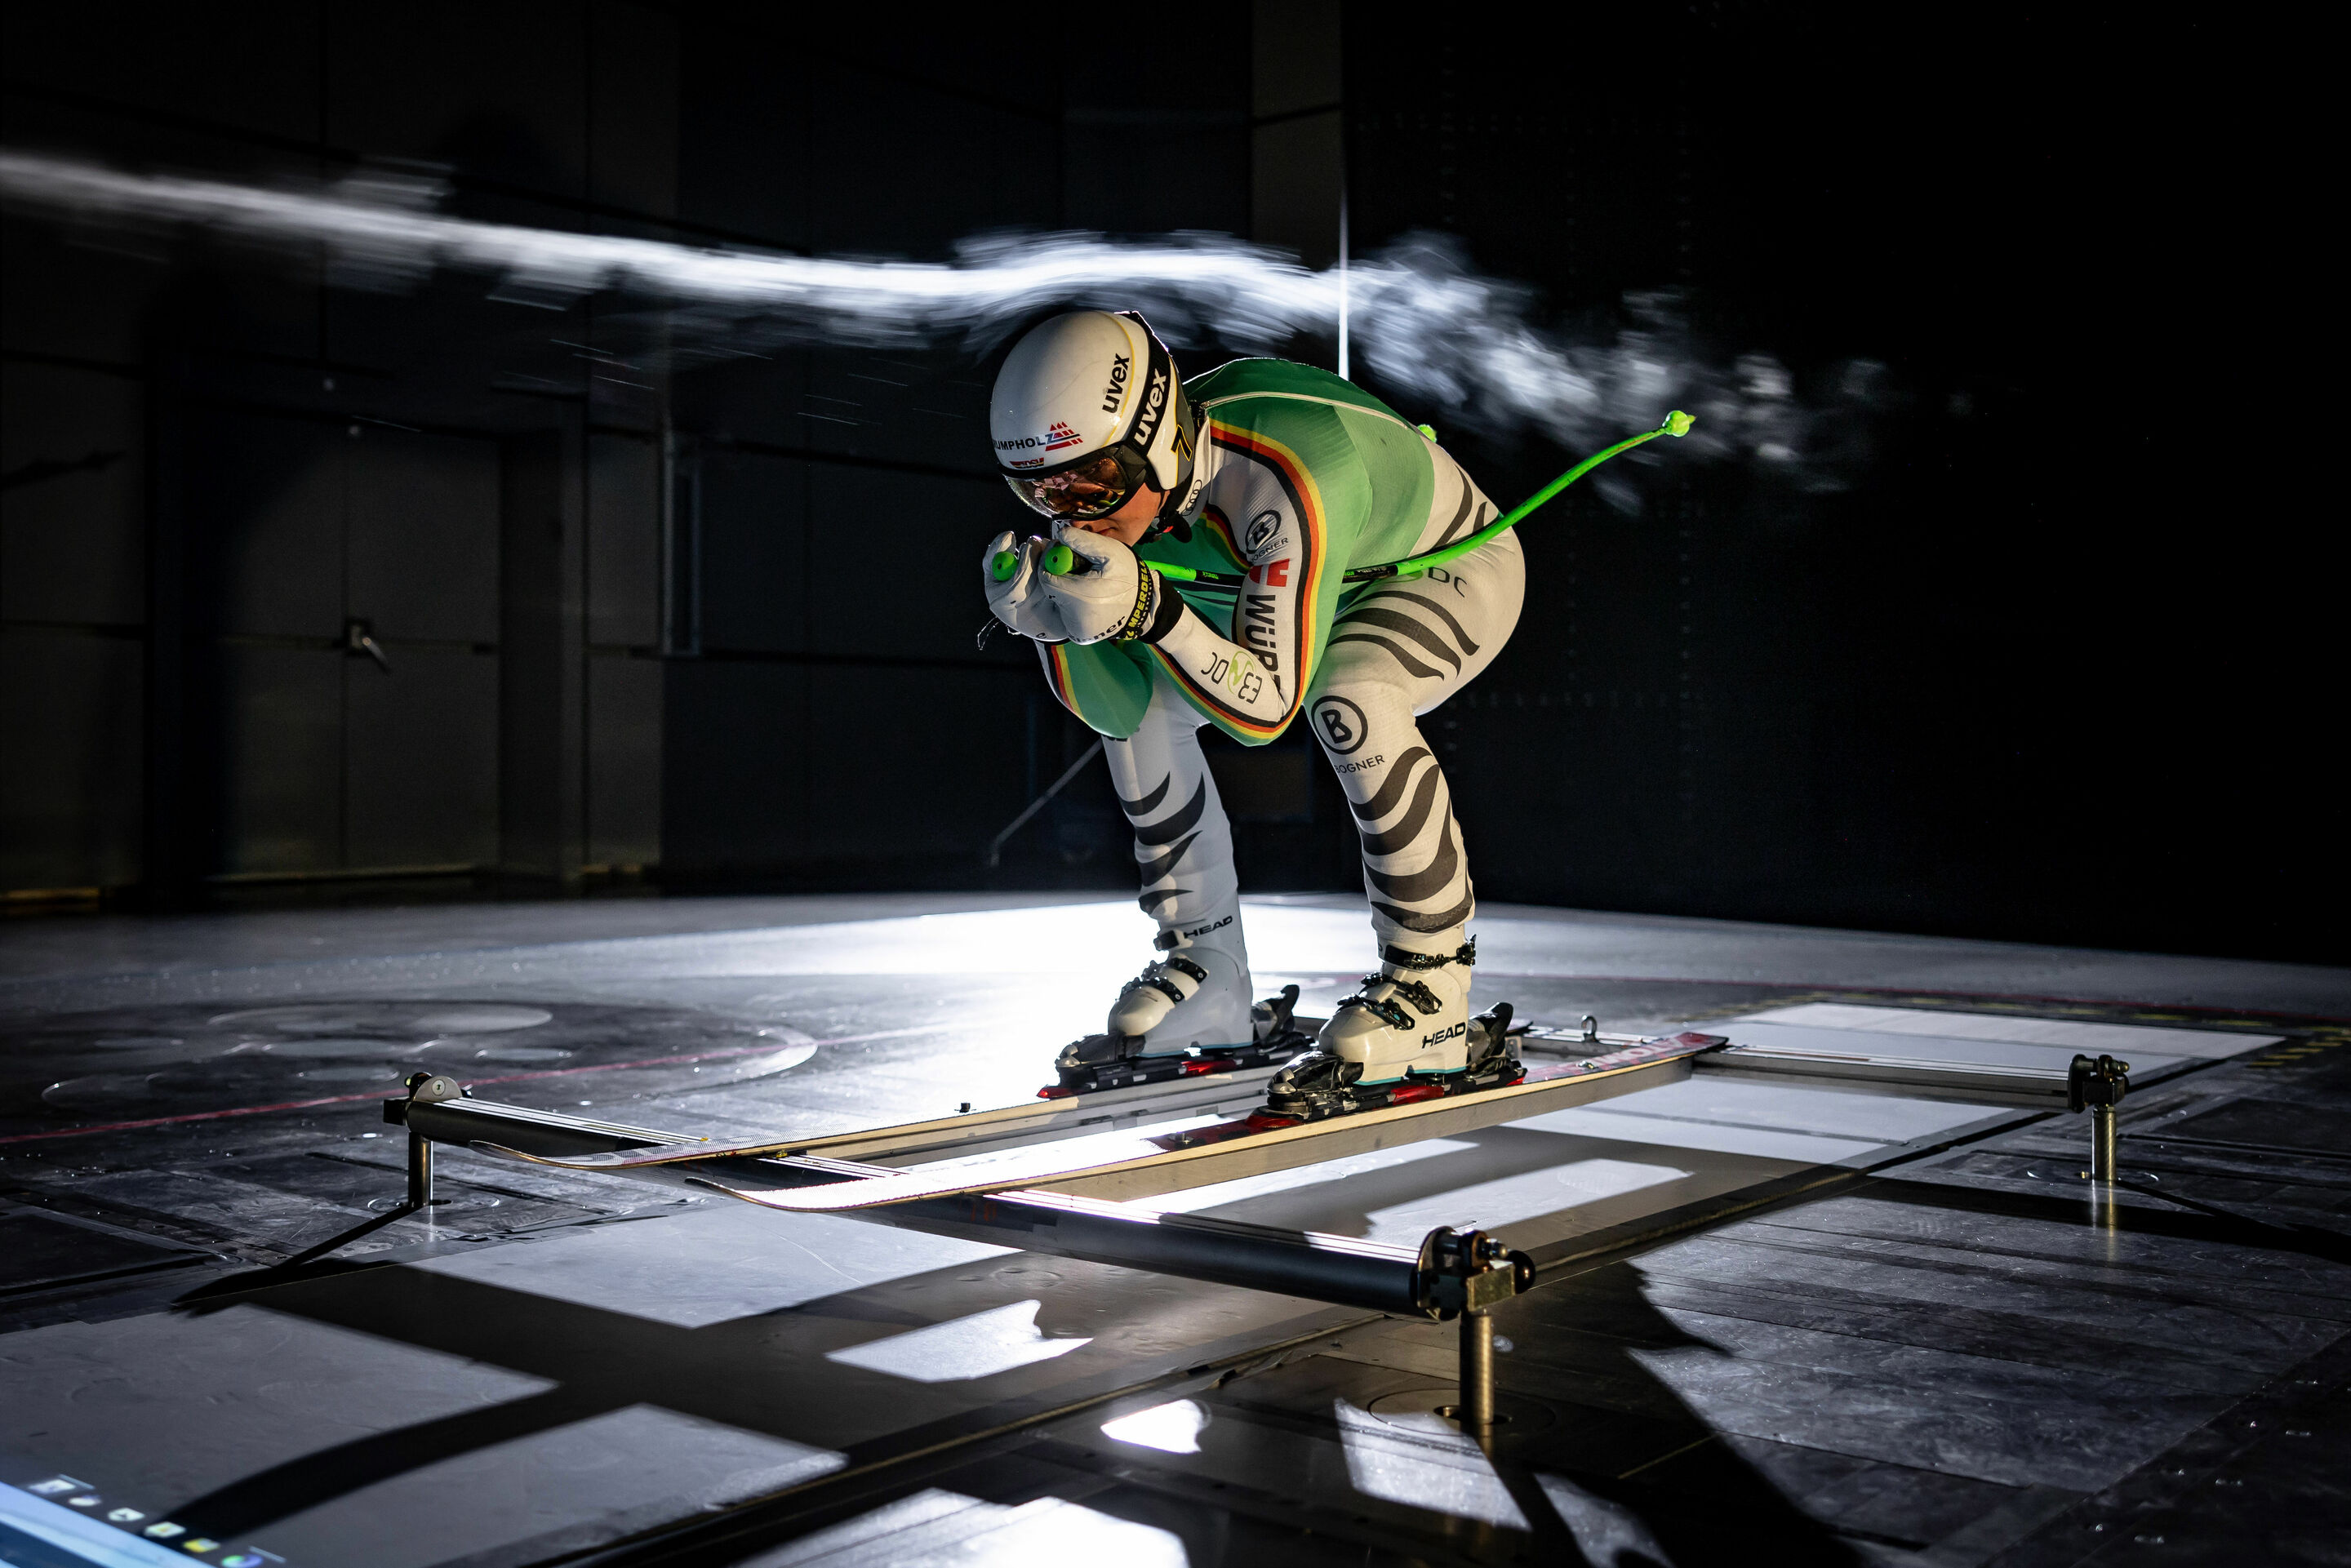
1911,1074
1451,1274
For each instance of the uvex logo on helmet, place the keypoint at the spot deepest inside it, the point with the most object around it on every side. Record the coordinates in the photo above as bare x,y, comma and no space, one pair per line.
1117,388
1155,405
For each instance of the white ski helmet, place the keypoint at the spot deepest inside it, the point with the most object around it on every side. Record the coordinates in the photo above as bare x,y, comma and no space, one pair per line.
1086,409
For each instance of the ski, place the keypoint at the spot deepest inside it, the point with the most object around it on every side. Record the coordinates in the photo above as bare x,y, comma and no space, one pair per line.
1051,1117
1031,1166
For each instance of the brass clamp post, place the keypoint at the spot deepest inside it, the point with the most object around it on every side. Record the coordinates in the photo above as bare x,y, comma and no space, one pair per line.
1466,1273
2097,1085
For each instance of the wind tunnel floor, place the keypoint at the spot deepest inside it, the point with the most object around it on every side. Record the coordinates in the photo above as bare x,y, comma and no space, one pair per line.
1927,1347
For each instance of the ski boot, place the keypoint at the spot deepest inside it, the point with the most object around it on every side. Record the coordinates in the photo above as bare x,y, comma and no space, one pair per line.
1406,1035
1186,1015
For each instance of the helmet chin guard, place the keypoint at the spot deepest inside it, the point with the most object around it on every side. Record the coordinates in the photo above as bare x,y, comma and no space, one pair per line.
1086,410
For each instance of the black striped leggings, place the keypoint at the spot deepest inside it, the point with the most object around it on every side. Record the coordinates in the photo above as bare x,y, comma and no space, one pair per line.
1394,654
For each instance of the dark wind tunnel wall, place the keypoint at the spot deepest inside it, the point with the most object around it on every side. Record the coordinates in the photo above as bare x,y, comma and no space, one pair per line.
837,724
718,624
2031,675
2052,662
259,470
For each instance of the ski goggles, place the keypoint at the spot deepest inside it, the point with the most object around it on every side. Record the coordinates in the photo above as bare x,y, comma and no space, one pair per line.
1096,487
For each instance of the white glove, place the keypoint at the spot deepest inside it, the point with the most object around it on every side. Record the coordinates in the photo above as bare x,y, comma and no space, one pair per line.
1117,597
1019,600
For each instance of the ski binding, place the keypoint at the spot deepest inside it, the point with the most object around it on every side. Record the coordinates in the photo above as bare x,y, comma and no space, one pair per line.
1318,1084
1115,1061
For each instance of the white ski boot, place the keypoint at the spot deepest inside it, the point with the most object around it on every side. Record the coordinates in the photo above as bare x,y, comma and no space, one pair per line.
1196,994
1189,1006
1411,1017
1405,1035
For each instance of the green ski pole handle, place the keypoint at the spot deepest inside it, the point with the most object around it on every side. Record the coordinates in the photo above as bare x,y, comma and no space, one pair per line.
1060,560
1064,561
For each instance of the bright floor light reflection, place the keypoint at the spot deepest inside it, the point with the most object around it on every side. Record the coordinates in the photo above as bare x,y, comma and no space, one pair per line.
1172,1428
1605,1531
981,1345
1509,1199
1442,1472
937,1527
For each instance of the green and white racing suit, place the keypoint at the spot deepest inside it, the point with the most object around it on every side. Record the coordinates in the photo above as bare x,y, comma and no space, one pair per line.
1308,475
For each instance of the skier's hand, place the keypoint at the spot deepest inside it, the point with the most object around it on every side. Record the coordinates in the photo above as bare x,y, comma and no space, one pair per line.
1019,600
1111,595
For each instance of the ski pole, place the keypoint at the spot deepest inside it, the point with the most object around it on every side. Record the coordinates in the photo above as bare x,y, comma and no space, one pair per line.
1061,560
1676,425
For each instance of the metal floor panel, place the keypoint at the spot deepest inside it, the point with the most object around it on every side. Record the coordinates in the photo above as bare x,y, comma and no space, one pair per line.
1943,1362
2065,1034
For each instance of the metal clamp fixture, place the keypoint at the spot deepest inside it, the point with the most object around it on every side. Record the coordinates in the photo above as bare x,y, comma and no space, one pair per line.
1466,1273
423,1089
2097,1085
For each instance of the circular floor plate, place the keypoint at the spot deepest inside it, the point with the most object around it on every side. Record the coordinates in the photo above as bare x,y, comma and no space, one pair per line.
393,1017
177,1059
1430,1410
314,1049
381,1073
509,1055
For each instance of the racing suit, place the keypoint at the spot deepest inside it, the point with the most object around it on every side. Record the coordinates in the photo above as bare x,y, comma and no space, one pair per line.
1307,476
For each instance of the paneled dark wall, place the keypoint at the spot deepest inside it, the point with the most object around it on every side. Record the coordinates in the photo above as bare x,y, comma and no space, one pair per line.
223,470
2029,668
837,722
2038,667
716,621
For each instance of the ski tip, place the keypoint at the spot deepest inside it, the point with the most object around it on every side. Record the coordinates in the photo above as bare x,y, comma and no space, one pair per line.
720,1187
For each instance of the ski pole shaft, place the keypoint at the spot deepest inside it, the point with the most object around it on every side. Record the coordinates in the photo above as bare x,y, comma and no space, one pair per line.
1677,424
1062,561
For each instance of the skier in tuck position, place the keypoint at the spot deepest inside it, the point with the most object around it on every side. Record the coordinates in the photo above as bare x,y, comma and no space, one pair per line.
1278,477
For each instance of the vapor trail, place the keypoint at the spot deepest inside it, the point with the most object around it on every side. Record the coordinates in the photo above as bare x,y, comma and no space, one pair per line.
1426,323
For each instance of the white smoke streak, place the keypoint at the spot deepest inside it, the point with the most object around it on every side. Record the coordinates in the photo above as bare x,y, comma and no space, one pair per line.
1426,323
